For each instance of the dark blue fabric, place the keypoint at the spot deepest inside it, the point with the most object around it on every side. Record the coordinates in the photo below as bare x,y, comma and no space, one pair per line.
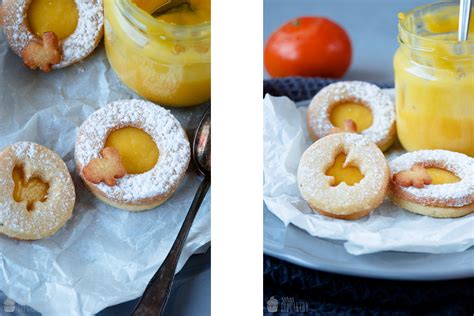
299,88
321,293
302,291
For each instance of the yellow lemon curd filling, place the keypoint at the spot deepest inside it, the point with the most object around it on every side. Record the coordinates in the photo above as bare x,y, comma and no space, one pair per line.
434,81
31,191
359,113
166,59
193,12
137,149
58,16
444,21
350,174
442,176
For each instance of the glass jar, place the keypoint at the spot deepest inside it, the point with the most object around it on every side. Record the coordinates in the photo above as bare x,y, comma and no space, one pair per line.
434,80
166,63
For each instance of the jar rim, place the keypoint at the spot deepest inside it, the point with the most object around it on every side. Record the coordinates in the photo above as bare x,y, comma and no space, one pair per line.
412,12
140,18
410,36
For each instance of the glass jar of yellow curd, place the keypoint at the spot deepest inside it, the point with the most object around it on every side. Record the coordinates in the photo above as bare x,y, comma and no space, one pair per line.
165,59
434,80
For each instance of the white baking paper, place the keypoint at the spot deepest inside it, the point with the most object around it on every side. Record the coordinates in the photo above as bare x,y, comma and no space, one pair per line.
387,228
103,256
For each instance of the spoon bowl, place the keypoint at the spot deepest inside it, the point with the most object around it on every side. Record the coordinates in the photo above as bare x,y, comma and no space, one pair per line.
166,5
202,145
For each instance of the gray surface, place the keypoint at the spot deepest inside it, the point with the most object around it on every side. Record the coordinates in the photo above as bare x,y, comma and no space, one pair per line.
295,245
371,24
190,294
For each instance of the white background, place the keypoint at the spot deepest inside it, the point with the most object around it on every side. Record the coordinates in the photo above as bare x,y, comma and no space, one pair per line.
237,219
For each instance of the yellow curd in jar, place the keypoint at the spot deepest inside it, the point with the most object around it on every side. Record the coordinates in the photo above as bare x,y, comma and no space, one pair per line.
434,81
164,58
194,12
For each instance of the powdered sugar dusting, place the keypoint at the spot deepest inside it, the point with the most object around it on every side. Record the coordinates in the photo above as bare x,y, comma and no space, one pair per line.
382,107
15,24
25,150
165,131
356,139
87,34
75,47
453,194
315,185
47,216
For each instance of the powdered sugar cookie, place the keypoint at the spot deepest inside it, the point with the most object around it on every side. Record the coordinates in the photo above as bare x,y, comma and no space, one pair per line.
132,154
437,183
343,175
36,192
40,50
353,106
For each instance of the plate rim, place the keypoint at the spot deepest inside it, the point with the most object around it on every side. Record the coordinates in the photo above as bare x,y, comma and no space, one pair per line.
291,256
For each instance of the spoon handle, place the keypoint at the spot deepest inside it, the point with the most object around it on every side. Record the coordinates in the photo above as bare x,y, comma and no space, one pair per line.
464,16
153,300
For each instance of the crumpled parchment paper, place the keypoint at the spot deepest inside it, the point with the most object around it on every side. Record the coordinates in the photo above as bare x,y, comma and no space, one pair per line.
387,228
103,256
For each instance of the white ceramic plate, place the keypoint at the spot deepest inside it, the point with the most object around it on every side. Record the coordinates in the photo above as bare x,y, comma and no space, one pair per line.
297,246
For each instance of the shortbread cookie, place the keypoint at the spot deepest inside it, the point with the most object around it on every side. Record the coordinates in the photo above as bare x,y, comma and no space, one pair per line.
36,192
437,183
368,111
49,51
331,189
108,162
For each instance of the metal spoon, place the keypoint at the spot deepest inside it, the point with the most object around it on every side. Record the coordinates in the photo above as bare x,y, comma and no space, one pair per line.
464,17
153,300
166,5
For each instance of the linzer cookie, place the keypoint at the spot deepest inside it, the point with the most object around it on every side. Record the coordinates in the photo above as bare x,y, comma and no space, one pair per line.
437,183
343,175
36,192
51,34
132,154
353,106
